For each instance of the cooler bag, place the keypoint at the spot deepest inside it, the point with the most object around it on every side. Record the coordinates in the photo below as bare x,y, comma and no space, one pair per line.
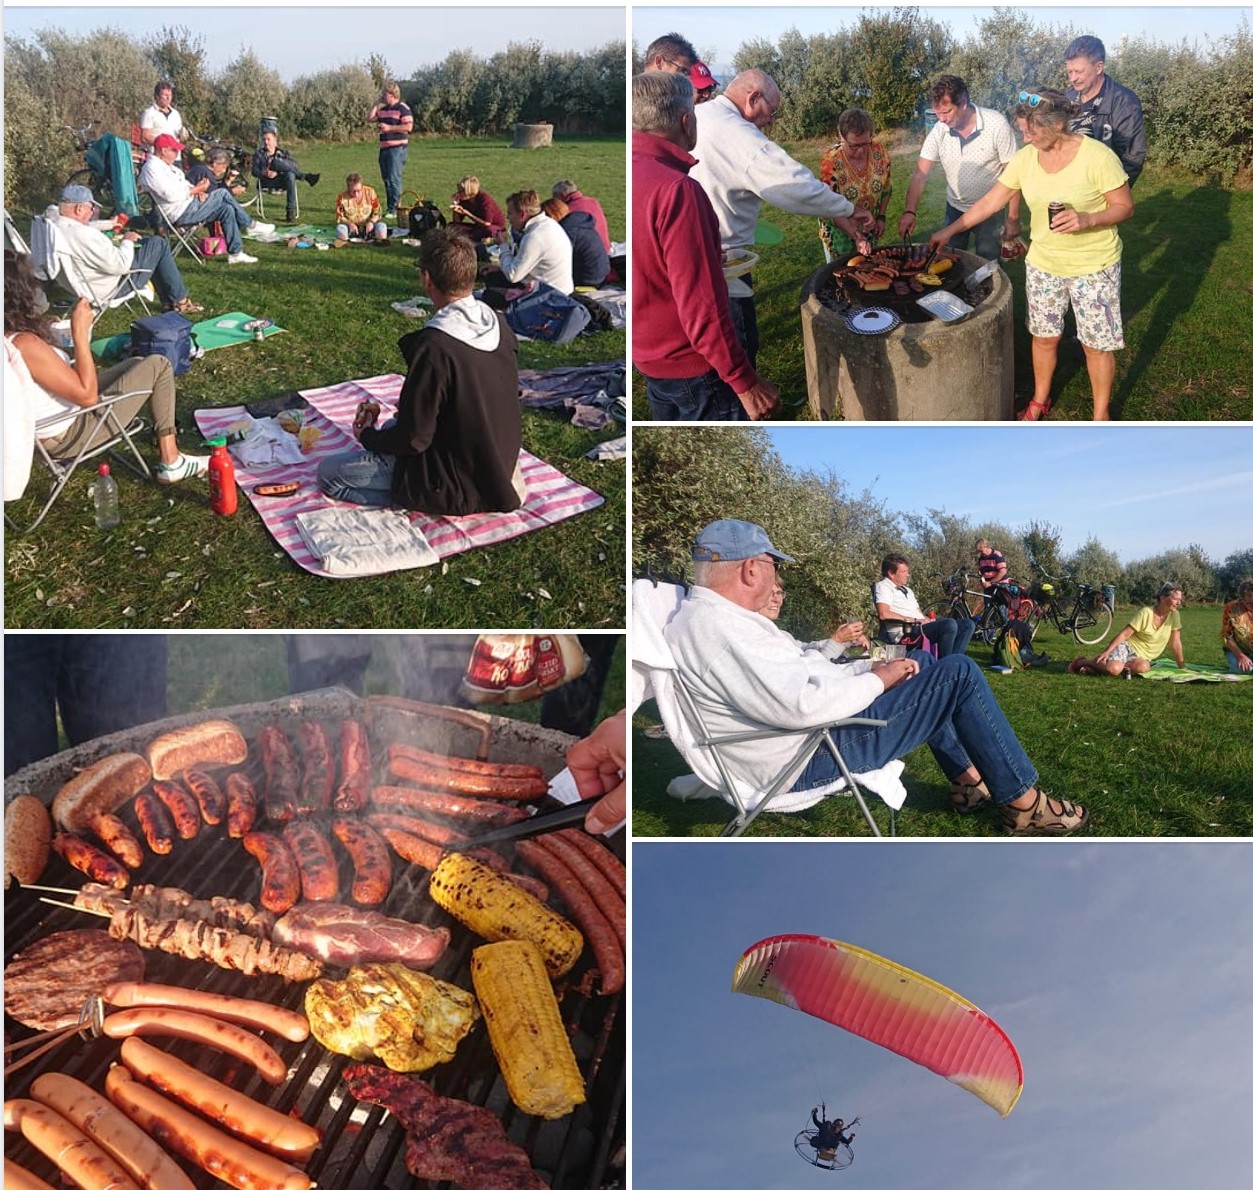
166,334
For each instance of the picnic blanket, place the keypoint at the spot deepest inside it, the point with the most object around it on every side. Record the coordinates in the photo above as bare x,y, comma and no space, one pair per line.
551,496
224,330
1164,669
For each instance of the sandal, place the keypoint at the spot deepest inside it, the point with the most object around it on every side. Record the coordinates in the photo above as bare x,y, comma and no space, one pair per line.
1045,816
1036,410
186,306
966,799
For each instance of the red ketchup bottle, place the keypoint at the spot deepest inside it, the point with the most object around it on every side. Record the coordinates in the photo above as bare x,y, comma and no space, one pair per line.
223,495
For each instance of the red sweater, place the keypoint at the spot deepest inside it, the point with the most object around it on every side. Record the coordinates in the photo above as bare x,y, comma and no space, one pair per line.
680,317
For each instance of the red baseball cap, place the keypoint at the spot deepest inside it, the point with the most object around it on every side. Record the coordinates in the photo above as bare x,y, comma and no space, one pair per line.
166,141
701,76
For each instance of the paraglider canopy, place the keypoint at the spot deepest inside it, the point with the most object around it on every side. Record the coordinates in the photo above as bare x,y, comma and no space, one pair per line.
889,1005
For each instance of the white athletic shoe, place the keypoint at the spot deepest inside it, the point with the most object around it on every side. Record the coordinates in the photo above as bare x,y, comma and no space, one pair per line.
184,467
261,229
240,258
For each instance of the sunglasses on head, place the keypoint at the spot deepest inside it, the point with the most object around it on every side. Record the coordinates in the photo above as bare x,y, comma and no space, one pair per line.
1030,97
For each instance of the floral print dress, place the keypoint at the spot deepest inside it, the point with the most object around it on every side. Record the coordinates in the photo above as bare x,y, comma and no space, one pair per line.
869,188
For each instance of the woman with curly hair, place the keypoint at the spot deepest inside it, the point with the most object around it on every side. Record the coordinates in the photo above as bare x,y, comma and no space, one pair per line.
58,384
858,167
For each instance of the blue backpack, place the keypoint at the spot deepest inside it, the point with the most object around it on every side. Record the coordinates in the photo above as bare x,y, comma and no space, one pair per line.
547,314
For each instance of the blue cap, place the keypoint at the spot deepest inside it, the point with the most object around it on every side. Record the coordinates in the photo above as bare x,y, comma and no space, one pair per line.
732,541
78,194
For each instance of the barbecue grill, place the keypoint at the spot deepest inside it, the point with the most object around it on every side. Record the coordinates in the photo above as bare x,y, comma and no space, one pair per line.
362,1148
846,295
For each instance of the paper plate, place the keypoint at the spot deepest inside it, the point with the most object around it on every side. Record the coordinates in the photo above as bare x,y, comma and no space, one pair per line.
767,233
874,321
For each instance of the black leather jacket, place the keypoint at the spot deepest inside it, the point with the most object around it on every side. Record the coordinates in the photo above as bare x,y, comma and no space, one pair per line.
1118,123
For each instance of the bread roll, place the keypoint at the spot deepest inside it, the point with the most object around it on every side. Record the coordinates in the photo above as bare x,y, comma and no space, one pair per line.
27,839
210,744
101,788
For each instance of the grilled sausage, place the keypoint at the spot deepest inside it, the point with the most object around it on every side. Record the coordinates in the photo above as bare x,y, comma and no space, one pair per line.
413,848
241,805
17,1178
405,768
593,881
448,805
271,1018
155,822
75,1155
90,860
612,867
118,838
282,775
132,1148
371,860
182,807
319,768
319,871
195,1026
236,1163
280,878
208,793
355,767
460,764
424,828
239,1113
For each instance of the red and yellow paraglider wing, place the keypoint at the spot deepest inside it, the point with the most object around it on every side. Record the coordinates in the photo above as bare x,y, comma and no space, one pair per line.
889,1005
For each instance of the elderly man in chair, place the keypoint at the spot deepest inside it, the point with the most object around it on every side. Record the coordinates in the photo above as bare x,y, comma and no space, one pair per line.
746,674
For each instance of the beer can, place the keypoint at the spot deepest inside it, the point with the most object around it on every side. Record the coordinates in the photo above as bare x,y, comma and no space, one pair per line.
1055,209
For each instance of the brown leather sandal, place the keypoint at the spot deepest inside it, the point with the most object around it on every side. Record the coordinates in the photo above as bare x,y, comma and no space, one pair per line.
966,799
1045,816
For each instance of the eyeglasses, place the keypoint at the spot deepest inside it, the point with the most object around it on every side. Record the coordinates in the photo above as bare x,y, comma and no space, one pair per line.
773,562
1030,97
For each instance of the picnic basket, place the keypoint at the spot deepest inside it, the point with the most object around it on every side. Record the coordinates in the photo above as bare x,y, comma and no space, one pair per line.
403,207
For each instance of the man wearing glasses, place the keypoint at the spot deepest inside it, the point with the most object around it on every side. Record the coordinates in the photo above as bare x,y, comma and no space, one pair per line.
671,54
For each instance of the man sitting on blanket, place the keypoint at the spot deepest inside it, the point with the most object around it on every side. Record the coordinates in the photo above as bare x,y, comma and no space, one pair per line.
745,674
452,448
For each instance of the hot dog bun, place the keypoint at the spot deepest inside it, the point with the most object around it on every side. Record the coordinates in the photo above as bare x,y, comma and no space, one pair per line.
27,840
203,745
101,788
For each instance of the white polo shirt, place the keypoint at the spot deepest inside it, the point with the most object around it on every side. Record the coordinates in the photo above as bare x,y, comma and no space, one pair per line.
973,164
903,604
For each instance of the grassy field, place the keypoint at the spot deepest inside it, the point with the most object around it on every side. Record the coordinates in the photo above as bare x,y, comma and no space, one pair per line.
1186,294
173,564
1146,758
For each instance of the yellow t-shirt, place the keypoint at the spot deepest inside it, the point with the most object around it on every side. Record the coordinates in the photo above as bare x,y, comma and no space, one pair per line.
1147,641
1082,185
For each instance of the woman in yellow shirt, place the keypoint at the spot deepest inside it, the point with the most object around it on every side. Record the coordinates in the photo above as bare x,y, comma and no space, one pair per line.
1075,258
1133,650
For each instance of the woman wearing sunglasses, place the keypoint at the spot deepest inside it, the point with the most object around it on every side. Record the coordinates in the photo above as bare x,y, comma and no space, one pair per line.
1075,256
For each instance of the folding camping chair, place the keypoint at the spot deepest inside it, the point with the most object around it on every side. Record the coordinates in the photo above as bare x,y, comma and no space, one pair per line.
13,237
892,632
272,191
183,236
656,674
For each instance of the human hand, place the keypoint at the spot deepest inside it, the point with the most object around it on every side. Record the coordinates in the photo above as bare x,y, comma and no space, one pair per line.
880,226
201,188
939,239
1069,221
892,673
367,415
906,224
759,400
851,633
1245,663
499,237
598,766
132,236
863,218
81,318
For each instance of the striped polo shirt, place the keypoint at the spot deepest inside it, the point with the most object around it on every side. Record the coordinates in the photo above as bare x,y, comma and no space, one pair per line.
389,120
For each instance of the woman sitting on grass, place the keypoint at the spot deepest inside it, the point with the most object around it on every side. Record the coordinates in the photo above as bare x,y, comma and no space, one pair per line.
1238,630
57,384
1133,650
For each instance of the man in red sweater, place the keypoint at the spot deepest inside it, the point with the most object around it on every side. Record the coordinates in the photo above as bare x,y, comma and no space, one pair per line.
684,341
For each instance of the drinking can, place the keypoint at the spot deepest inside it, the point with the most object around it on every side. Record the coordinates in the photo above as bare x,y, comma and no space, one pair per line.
1055,209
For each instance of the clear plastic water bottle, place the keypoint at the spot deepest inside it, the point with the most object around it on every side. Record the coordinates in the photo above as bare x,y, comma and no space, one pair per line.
104,493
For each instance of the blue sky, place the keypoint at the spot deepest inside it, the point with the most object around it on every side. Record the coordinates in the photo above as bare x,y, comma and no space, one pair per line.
719,30
1120,970
295,44
1139,489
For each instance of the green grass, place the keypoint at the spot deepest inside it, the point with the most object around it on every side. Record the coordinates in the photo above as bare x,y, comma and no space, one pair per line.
1146,758
173,564
1186,295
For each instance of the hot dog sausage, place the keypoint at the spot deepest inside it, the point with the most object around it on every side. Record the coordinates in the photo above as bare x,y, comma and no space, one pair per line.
132,1148
241,805
612,867
405,768
238,1113
282,775
236,1163
280,878
371,861
182,807
605,896
319,871
75,1155
154,820
269,1017
90,860
448,805
319,771
413,848
355,767
195,1026
461,765
118,838
17,1178
208,793
432,832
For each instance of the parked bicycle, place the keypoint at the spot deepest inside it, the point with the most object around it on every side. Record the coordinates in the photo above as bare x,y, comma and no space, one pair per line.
992,609
1086,614
97,174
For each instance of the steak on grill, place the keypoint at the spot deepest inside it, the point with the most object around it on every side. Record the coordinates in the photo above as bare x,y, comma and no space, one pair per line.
46,985
345,936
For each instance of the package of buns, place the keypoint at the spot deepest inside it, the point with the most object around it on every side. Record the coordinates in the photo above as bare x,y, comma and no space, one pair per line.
513,667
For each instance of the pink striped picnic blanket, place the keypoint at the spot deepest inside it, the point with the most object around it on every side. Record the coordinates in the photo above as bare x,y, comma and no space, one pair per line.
551,496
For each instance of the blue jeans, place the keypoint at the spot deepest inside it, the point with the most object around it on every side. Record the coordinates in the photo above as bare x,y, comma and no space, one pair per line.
359,477
987,234
1232,663
284,184
392,167
219,206
154,261
950,636
698,398
948,706
744,319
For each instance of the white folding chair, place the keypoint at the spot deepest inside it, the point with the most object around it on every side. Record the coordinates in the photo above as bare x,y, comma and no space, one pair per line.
182,236
656,674
53,259
13,237
274,193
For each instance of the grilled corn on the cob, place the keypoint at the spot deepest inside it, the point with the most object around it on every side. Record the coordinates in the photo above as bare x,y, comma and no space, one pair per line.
495,908
526,1030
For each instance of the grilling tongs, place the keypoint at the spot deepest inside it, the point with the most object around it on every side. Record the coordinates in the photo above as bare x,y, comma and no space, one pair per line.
539,824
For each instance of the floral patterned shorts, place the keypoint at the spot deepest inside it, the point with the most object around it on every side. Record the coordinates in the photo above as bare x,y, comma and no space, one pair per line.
1095,297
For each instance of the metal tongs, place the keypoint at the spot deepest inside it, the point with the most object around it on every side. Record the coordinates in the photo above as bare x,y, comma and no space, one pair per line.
90,1023
539,824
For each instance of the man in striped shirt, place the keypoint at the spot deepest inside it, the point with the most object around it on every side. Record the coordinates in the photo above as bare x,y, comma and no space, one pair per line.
395,121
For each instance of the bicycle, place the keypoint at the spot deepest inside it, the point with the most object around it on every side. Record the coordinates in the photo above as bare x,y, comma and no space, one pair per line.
996,606
97,180
1086,615
238,171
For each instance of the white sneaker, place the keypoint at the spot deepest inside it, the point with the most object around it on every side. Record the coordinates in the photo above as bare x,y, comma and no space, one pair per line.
240,258
184,467
261,229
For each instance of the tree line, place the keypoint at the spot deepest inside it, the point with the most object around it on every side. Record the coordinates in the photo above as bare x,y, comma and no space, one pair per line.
1198,103
55,78
839,538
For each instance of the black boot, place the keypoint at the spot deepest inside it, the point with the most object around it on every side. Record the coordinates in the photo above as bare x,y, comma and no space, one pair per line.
313,179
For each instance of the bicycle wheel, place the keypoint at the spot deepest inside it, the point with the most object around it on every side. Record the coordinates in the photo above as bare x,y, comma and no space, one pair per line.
995,617
943,609
1092,625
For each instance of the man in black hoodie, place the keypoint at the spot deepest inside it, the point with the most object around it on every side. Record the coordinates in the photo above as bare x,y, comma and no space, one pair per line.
452,448
1111,112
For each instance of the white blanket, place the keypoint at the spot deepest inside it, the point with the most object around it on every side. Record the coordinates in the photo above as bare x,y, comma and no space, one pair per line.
361,541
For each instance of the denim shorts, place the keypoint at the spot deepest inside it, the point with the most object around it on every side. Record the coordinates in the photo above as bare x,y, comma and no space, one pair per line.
1096,298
